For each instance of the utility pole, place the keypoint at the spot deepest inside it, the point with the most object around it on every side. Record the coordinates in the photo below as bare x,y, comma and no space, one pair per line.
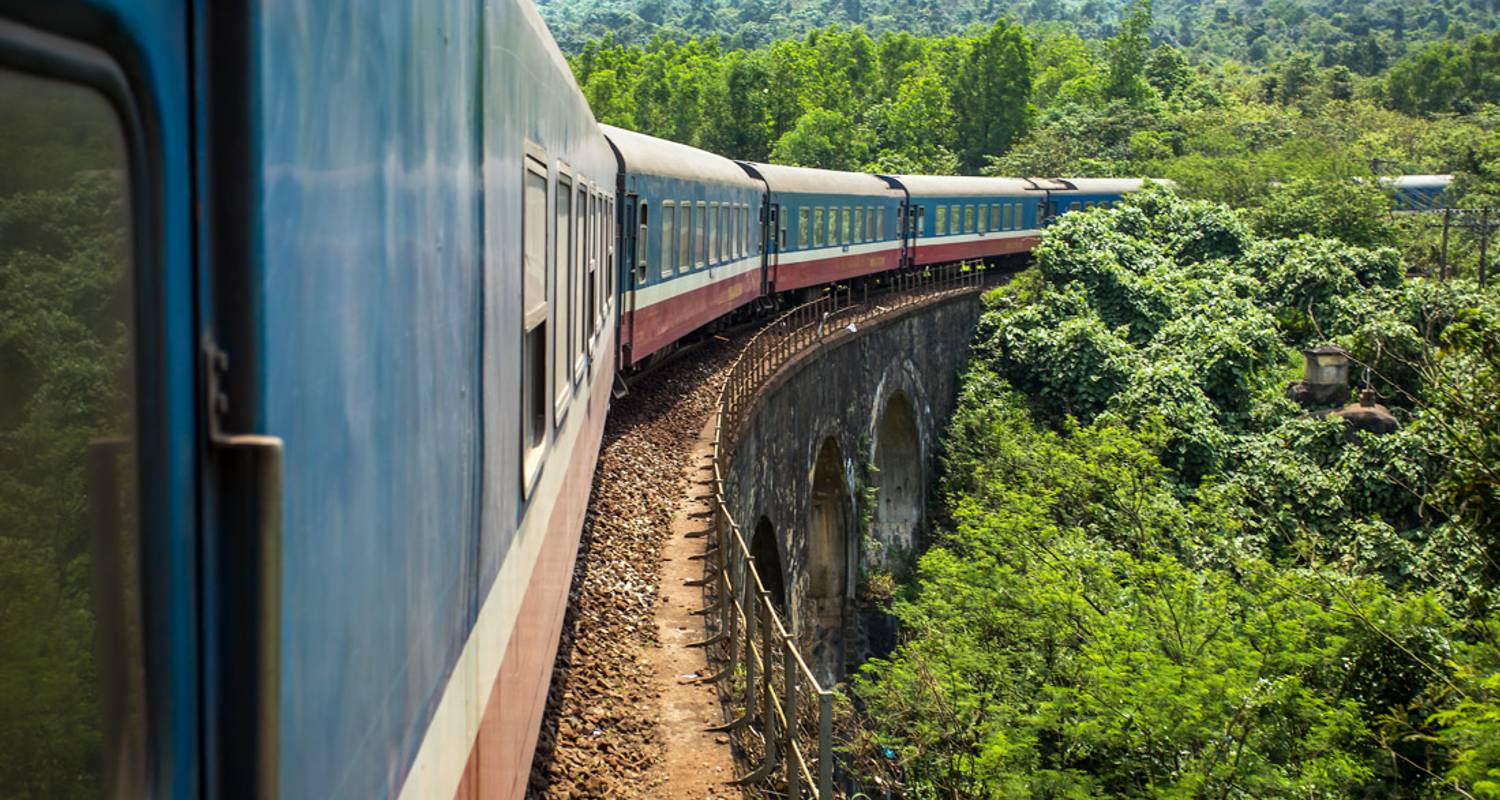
1443,261
1484,243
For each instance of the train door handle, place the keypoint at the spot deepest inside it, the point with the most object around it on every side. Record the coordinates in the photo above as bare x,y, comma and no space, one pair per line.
249,469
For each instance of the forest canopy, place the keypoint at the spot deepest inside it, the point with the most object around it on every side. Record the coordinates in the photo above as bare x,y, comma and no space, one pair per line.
1157,576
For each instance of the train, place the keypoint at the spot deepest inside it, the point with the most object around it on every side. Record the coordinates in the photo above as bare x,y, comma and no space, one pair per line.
334,299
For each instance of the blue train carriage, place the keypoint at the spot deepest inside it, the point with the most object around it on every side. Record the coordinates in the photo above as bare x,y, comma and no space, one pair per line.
349,336
962,217
1082,194
1417,192
691,237
828,226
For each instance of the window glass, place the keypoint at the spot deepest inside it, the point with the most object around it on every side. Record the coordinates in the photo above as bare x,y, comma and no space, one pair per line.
713,233
968,219
71,652
880,225
817,227
1073,206
591,291
984,219
611,237
668,238
1009,221
580,273
685,237
534,306
722,251
700,236
562,260
940,224
845,229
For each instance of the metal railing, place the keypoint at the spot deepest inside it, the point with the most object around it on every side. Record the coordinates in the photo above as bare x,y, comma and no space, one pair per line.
774,697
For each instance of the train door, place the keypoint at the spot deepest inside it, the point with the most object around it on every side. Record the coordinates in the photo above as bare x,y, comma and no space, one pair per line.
99,411
635,217
770,244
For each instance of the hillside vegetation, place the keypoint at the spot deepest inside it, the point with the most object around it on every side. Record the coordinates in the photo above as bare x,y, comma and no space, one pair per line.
1365,35
1156,576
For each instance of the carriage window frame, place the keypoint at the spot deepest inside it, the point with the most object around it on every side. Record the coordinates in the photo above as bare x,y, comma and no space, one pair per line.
611,246
700,236
713,233
95,66
817,227
940,221
684,261
562,323
668,233
983,225
535,392
969,218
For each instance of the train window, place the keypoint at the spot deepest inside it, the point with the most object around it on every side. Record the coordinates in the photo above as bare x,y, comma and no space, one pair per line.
722,251
580,278
859,224
668,237
642,240
984,219
1009,222
562,238
700,236
534,313
744,229
817,227
1073,206
940,223
968,219
1088,205
684,236
880,225
610,241
591,285
605,232
713,233
71,622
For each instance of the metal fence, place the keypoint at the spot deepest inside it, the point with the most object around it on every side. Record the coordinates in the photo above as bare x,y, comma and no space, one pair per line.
774,696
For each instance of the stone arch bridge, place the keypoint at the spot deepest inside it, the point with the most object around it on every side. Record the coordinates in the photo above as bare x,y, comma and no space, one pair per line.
830,460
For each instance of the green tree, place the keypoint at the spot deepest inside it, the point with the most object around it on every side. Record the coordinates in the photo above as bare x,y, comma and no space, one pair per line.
1168,72
991,94
824,139
1127,52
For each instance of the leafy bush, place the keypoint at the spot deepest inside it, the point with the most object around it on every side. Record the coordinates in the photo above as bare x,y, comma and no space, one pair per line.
1162,578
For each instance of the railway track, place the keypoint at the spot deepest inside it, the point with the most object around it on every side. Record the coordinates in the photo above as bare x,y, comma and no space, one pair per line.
602,735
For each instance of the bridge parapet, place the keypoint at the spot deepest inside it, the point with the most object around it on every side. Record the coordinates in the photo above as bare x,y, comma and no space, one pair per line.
785,722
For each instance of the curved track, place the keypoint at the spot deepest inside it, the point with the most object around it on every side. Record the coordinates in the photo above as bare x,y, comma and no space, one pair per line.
601,736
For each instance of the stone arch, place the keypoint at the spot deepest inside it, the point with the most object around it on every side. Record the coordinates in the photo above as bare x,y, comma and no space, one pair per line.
766,554
897,478
828,560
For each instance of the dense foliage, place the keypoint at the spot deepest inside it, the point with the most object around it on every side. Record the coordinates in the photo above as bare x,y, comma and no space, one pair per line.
1043,98
64,302
1158,576
1364,35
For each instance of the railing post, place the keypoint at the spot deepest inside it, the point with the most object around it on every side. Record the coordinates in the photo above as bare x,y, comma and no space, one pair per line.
825,745
767,639
793,764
